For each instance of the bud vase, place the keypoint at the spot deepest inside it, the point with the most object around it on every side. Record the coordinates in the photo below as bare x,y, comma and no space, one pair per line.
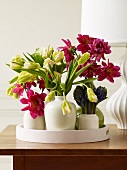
54,118
88,121
30,123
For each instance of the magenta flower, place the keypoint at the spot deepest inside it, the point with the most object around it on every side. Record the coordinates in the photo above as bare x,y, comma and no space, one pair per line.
69,50
109,71
98,48
41,83
19,89
91,71
84,41
35,103
29,84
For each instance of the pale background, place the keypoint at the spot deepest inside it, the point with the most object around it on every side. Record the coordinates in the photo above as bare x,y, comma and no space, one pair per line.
26,25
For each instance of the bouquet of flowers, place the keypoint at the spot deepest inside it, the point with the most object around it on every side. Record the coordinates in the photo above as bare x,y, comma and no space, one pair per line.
45,68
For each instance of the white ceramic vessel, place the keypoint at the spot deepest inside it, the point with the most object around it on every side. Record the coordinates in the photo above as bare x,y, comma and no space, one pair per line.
88,121
30,123
54,118
117,103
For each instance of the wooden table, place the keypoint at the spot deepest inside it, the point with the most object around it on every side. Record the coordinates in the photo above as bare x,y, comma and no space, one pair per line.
106,155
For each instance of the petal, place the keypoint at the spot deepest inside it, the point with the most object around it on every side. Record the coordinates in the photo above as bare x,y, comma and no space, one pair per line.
25,108
24,101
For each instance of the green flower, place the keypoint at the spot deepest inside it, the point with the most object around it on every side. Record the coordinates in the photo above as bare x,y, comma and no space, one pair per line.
9,91
31,65
66,108
83,58
48,62
47,52
24,77
50,96
58,56
91,95
17,62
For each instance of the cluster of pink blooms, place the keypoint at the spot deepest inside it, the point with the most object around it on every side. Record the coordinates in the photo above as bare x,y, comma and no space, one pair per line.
97,49
34,100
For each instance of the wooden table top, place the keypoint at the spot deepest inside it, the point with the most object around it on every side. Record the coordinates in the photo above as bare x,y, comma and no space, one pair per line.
116,145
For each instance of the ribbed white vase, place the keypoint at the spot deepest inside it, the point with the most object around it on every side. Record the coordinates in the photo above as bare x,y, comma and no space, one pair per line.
117,103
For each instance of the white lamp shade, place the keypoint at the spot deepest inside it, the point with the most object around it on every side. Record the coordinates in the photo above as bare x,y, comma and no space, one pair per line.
105,19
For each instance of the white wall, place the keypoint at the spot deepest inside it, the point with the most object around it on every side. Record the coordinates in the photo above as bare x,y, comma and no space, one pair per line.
24,26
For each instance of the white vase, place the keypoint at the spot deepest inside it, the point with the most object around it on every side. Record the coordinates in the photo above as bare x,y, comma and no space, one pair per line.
54,118
88,121
30,123
117,103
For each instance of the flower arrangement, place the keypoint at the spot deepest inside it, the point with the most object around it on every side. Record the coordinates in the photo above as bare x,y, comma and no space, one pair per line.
45,68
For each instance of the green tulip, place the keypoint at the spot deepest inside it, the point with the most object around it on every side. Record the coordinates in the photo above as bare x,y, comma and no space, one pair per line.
66,108
91,95
50,96
26,77
31,65
9,90
17,62
83,58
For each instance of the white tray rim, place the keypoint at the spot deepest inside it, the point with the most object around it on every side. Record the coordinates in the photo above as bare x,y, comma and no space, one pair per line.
63,136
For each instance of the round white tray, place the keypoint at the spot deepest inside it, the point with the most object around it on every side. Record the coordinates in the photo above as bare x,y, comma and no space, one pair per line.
64,136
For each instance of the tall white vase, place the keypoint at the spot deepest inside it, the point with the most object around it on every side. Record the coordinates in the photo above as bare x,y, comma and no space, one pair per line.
54,118
117,103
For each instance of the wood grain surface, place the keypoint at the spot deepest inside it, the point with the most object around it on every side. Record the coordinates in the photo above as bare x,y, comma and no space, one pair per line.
106,155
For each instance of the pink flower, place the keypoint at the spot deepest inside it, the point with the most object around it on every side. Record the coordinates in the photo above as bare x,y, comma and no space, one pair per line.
28,85
69,50
109,71
91,71
41,83
98,48
35,103
84,41
19,89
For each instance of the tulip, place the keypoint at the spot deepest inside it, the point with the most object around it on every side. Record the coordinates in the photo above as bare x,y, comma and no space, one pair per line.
91,95
17,62
48,62
66,108
50,96
26,77
58,56
9,91
83,58
31,65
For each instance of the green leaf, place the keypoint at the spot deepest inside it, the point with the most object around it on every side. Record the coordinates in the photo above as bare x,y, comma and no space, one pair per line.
27,57
35,72
81,71
69,72
13,80
62,85
84,81
51,71
38,58
75,64
8,65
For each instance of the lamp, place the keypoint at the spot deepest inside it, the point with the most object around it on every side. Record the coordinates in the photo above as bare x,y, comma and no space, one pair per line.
107,19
